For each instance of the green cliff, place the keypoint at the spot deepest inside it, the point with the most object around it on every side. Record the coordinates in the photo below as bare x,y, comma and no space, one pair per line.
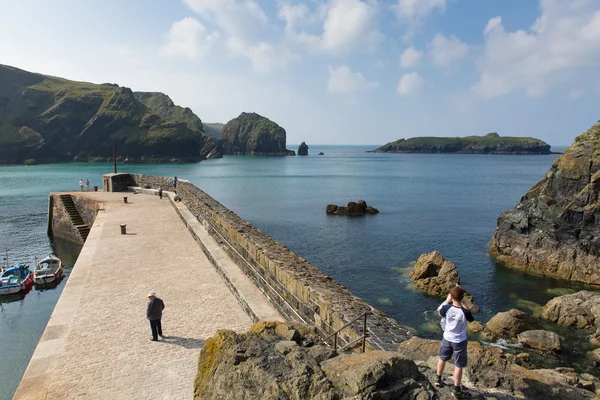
492,143
555,229
214,129
52,119
252,134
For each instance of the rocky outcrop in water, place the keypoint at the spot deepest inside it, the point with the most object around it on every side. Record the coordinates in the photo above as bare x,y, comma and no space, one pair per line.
354,209
579,310
253,134
492,143
303,149
50,119
435,275
540,339
555,229
511,323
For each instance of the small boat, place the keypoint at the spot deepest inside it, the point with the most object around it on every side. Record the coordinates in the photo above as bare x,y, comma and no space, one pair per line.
15,279
48,270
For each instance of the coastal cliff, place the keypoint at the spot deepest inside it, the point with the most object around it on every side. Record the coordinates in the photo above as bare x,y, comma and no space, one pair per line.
555,229
492,143
253,134
50,119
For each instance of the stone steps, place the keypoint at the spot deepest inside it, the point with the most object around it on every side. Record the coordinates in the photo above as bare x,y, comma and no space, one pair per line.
82,229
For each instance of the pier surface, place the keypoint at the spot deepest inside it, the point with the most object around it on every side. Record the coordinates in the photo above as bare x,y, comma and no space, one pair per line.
96,344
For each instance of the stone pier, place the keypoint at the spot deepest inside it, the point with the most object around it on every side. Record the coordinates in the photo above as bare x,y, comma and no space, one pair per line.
96,344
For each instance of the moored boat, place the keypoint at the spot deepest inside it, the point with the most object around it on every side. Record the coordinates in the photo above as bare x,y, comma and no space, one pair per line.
15,279
48,270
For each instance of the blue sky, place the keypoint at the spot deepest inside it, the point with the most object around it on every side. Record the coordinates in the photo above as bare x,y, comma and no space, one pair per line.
333,71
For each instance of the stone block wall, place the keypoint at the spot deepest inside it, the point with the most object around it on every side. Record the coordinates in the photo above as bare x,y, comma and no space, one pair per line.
298,290
59,222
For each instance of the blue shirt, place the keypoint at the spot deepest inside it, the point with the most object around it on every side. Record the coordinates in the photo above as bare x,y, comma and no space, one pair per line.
454,322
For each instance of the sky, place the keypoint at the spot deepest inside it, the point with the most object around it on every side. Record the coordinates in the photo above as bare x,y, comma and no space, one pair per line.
333,71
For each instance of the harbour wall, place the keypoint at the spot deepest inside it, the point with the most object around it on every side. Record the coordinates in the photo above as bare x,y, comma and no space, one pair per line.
60,224
297,289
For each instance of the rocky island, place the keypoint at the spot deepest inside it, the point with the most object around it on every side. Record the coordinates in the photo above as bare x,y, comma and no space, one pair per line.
353,208
253,134
554,230
49,119
492,143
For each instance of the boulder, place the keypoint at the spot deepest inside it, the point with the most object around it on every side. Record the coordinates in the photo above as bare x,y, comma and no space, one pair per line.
303,149
579,310
331,208
280,360
541,340
479,329
511,323
435,275
596,338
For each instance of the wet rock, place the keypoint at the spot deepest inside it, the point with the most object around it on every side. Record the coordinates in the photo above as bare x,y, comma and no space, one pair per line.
354,208
435,275
479,329
539,339
579,310
303,149
511,323
596,338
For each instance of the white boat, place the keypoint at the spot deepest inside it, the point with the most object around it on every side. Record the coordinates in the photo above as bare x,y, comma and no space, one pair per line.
48,270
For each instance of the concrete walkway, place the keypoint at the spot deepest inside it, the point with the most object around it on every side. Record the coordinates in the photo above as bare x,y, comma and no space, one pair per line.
96,344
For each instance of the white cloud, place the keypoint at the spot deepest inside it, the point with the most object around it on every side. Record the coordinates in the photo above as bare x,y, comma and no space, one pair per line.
416,9
410,57
266,57
343,80
187,38
410,83
561,47
447,51
346,25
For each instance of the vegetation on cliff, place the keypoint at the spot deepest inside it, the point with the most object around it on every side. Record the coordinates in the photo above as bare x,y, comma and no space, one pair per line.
52,119
252,134
492,143
214,129
555,229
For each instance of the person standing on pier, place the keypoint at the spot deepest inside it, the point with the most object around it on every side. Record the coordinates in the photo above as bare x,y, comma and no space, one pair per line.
87,184
154,314
81,184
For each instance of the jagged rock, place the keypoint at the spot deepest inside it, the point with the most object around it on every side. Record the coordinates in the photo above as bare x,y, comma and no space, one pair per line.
554,230
435,275
491,370
253,134
303,149
484,333
579,310
511,323
277,360
539,339
354,209
596,338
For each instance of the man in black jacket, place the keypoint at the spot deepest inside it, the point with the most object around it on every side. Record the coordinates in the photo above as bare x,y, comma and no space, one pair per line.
154,314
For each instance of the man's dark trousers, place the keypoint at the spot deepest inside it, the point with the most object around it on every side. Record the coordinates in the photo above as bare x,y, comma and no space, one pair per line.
156,328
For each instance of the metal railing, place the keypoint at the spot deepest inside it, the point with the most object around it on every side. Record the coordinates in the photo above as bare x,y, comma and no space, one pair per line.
363,338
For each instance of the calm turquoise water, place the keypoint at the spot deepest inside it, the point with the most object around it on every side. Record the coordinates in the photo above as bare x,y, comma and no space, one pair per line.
427,202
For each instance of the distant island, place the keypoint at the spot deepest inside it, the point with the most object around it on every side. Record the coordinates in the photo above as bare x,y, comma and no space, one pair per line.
46,119
492,143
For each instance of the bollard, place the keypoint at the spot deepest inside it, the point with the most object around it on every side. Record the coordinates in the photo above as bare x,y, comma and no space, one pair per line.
125,199
95,188
123,228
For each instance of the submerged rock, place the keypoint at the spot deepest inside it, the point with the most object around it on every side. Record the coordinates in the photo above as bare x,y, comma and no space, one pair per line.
511,323
303,149
555,229
541,340
435,275
579,310
354,209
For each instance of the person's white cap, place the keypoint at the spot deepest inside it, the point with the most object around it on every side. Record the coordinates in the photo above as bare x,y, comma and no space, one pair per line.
151,294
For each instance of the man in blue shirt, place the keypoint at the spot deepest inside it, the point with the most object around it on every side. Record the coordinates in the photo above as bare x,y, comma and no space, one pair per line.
454,323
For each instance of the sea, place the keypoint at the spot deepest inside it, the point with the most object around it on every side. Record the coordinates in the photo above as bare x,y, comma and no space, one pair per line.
427,202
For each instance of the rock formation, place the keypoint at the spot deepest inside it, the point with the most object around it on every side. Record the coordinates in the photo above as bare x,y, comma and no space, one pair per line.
252,134
303,149
492,143
541,340
579,310
354,209
288,361
511,323
435,275
49,119
321,153
555,229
